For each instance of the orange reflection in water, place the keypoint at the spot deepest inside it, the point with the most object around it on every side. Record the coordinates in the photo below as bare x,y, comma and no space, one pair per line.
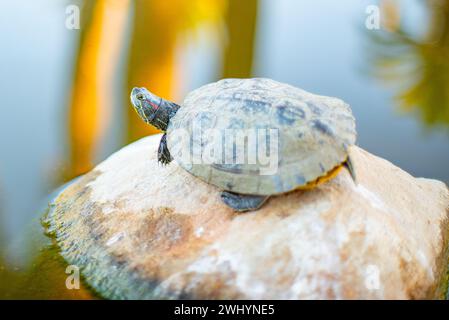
89,110
157,26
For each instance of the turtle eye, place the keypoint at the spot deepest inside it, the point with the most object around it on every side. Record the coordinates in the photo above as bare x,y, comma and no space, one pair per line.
139,96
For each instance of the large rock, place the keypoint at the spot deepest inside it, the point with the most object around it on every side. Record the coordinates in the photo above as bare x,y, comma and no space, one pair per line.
141,230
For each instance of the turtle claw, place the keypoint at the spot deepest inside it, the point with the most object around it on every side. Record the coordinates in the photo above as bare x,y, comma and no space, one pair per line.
163,161
350,166
163,154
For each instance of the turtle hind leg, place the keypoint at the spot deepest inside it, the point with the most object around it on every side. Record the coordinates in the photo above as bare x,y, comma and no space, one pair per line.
350,166
163,154
243,202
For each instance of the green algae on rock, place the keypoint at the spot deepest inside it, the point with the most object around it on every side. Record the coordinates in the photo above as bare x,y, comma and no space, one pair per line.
139,230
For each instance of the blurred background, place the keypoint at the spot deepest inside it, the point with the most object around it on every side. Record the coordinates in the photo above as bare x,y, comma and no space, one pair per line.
64,88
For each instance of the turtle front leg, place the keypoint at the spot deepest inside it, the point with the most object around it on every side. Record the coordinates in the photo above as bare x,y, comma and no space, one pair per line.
163,154
243,202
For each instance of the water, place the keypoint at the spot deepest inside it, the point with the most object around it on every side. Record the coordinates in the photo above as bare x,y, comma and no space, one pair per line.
321,46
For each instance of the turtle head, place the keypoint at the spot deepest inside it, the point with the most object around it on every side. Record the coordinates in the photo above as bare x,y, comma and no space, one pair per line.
153,109
146,104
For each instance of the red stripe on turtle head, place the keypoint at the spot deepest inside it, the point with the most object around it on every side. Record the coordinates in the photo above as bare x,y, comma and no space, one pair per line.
154,106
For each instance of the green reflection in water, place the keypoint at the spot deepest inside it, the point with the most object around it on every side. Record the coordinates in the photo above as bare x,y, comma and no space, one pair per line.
43,278
44,275
417,67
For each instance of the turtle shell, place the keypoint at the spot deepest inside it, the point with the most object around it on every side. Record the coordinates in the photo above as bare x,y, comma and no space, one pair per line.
259,136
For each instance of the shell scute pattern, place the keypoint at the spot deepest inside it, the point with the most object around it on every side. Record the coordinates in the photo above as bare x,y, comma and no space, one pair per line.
236,123
322,127
287,113
313,132
315,108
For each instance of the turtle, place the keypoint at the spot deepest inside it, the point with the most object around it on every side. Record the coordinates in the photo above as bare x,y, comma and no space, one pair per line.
308,137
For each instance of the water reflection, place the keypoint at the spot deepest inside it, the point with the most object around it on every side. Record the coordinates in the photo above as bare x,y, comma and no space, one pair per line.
42,272
241,21
416,65
92,95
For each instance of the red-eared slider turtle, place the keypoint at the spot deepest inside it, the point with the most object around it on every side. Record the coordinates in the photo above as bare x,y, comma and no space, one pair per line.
305,137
